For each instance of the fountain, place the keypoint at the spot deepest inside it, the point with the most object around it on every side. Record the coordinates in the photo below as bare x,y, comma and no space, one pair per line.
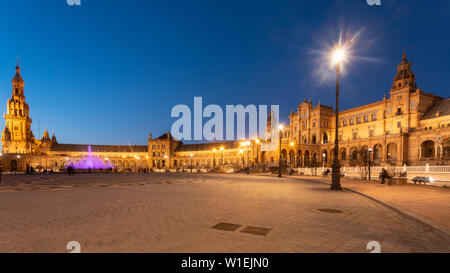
91,162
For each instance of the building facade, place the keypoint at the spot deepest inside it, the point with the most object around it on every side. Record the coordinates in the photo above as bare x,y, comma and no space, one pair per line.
409,126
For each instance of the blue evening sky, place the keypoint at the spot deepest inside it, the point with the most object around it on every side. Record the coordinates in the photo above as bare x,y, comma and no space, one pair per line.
110,71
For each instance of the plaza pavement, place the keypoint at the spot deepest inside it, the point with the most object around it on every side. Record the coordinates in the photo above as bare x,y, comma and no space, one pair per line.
171,212
428,204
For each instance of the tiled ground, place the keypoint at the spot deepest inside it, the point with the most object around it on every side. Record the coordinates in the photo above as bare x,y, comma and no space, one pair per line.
175,213
427,203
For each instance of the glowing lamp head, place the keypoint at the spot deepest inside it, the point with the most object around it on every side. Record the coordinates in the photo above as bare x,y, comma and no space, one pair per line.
292,143
338,55
280,127
257,141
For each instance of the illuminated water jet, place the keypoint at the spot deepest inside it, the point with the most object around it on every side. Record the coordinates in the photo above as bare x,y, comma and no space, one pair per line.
91,162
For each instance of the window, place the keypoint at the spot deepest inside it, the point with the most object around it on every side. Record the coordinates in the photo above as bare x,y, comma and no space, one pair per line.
399,111
358,120
314,124
374,116
345,122
366,118
399,124
352,121
370,133
355,135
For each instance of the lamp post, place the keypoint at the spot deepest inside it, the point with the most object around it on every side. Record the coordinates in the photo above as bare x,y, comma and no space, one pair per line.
323,160
370,152
221,156
280,127
242,159
257,142
214,159
337,57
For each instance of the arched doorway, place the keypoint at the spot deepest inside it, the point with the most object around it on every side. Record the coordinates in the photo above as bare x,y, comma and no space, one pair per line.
283,157
343,154
314,160
299,158
391,152
325,138
446,148
427,148
353,156
292,158
307,161
377,153
13,165
263,157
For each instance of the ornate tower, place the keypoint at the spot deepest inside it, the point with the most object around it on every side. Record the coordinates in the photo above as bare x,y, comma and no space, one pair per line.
17,136
405,78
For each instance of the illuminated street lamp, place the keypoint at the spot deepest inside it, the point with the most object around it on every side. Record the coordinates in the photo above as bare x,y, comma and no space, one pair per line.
280,128
337,57
247,144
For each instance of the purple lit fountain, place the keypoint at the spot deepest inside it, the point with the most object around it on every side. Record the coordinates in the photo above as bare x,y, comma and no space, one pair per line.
91,162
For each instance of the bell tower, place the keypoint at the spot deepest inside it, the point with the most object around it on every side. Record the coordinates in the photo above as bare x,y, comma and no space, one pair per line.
405,78
17,136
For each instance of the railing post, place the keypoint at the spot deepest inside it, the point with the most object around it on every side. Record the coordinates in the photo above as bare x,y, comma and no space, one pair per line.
427,168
